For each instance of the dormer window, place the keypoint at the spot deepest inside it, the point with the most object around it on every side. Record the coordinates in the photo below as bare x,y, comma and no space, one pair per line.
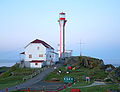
38,48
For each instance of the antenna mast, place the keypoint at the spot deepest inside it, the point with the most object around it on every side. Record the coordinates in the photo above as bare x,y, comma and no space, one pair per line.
81,47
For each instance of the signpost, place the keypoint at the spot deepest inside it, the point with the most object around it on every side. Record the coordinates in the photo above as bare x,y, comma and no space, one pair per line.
68,80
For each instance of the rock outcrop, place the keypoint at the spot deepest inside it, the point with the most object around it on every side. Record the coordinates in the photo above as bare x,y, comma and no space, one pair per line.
114,75
84,61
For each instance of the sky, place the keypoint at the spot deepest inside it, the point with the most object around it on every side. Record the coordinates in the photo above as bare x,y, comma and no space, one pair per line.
95,22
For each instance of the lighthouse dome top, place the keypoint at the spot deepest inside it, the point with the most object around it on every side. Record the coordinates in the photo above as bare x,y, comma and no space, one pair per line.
62,13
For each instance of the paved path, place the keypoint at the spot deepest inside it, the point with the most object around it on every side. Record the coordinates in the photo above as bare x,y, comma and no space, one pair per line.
34,81
96,83
93,84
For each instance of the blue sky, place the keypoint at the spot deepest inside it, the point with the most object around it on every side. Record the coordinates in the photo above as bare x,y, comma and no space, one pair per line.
95,22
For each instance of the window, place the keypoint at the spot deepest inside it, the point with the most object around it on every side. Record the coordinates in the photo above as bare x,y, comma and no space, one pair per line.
30,56
36,63
38,48
40,55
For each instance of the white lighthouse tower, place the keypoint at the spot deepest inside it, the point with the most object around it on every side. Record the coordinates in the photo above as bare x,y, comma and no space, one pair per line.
62,21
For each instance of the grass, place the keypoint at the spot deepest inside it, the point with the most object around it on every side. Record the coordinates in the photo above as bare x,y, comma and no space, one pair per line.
100,88
26,91
10,81
4,68
7,80
92,73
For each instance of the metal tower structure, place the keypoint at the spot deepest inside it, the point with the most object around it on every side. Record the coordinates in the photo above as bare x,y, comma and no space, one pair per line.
81,47
62,21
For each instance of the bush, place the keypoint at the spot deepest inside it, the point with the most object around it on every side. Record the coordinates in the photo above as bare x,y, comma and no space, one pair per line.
107,80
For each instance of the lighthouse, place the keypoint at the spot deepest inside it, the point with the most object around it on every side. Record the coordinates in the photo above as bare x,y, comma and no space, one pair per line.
62,21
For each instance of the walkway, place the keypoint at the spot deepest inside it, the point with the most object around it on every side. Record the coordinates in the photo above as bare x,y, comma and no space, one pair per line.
93,84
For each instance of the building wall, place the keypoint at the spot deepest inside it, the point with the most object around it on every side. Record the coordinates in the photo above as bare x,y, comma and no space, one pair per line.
51,57
68,53
58,51
32,52
49,54
55,57
35,49
33,65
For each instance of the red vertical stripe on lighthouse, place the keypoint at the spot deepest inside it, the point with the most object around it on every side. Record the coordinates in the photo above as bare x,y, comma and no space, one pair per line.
63,40
60,38
64,37
60,42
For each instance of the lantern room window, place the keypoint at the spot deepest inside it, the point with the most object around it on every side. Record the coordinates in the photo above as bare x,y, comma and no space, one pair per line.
62,15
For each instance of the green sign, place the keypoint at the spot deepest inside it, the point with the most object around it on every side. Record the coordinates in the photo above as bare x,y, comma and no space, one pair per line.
68,79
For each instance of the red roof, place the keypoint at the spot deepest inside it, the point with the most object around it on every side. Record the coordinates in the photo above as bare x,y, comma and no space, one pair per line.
61,13
42,42
75,90
22,53
36,61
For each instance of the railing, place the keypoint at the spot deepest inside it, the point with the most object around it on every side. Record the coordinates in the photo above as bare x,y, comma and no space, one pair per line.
42,89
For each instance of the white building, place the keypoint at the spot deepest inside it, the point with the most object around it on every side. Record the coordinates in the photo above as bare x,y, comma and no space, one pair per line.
38,53
68,53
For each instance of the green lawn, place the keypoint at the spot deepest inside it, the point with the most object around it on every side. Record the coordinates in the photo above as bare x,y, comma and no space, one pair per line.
7,80
92,73
4,68
10,81
100,88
